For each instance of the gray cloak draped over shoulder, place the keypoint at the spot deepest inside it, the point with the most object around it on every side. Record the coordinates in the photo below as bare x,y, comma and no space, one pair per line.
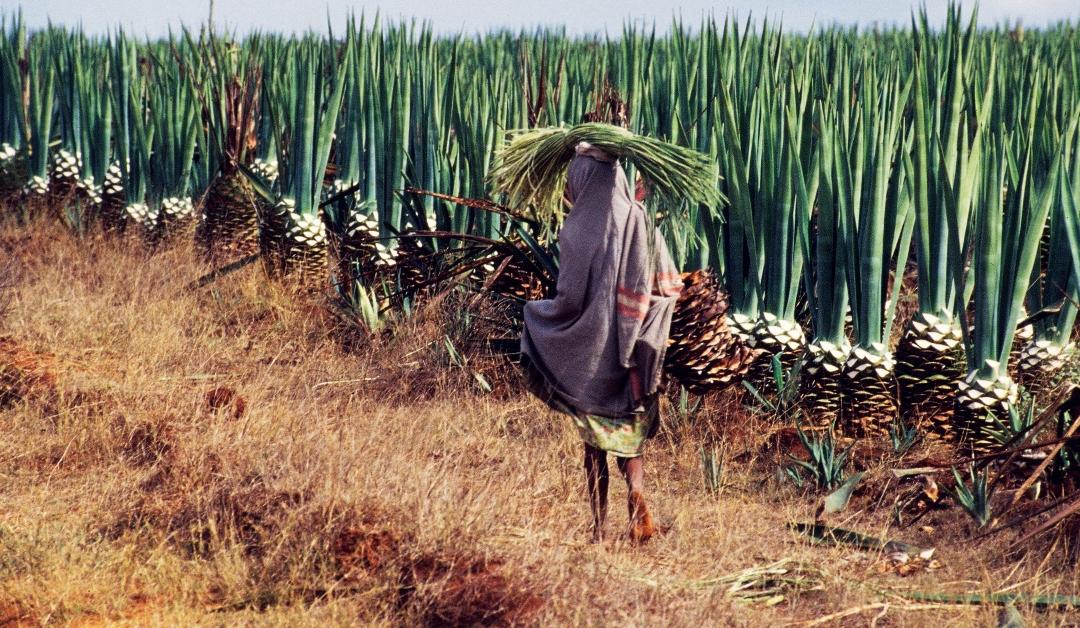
614,301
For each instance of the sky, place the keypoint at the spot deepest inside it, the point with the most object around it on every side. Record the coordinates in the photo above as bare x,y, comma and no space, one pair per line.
154,17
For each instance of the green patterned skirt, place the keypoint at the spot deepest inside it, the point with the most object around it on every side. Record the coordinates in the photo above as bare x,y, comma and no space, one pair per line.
622,437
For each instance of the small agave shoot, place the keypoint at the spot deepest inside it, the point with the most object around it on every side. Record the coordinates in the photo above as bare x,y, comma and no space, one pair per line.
305,104
826,466
712,468
974,499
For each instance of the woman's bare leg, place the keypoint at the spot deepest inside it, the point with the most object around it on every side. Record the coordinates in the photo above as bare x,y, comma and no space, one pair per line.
596,477
641,523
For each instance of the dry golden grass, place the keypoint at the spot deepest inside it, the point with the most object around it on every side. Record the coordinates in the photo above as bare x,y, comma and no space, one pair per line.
222,457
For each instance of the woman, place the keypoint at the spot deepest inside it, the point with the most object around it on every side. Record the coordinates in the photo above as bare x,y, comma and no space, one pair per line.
595,351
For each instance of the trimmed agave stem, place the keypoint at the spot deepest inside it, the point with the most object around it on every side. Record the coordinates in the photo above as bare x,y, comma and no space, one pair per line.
64,174
177,218
37,188
357,246
774,336
742,326
141,221
229,222
1042,363
266,169
1023,337
305,247
113,203
820,389
930,363
983,400
869,391
12,172
273,225
704,354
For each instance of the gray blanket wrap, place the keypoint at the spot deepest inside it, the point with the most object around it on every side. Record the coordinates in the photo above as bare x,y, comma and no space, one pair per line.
614,300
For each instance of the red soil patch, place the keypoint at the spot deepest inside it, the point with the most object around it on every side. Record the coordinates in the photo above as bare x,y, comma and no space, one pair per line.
14,616
468,591
226,398
25,373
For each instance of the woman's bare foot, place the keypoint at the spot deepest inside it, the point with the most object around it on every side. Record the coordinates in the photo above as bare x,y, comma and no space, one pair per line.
641,524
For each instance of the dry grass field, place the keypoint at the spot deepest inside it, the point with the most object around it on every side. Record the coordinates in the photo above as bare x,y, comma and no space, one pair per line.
232,456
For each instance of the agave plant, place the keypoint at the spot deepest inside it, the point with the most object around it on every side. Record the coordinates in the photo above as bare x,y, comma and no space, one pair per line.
943,170
231,92
67,161
174,120
304,107
12,113
82,160
1044,361
41,83
1014,209
124,192
976,499
353,215
875,197
768,215
826,290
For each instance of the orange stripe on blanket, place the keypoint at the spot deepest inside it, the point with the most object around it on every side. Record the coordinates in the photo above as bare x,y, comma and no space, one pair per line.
632,304
626,312
630,294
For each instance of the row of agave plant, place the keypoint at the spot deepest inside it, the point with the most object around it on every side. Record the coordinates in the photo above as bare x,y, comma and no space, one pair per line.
854,162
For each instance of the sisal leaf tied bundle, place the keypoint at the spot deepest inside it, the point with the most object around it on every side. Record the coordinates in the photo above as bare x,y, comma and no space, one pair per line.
531,169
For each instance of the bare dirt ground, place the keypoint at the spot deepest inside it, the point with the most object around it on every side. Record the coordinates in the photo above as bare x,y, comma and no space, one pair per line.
223,457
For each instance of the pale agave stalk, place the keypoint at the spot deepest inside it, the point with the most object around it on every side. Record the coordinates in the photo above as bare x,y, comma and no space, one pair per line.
763,256
175,122
1010,224
943,168
826,354
875,196
305,108
41,81
12,112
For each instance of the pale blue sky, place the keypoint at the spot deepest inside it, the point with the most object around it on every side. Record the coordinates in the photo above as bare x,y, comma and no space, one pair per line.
154,16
